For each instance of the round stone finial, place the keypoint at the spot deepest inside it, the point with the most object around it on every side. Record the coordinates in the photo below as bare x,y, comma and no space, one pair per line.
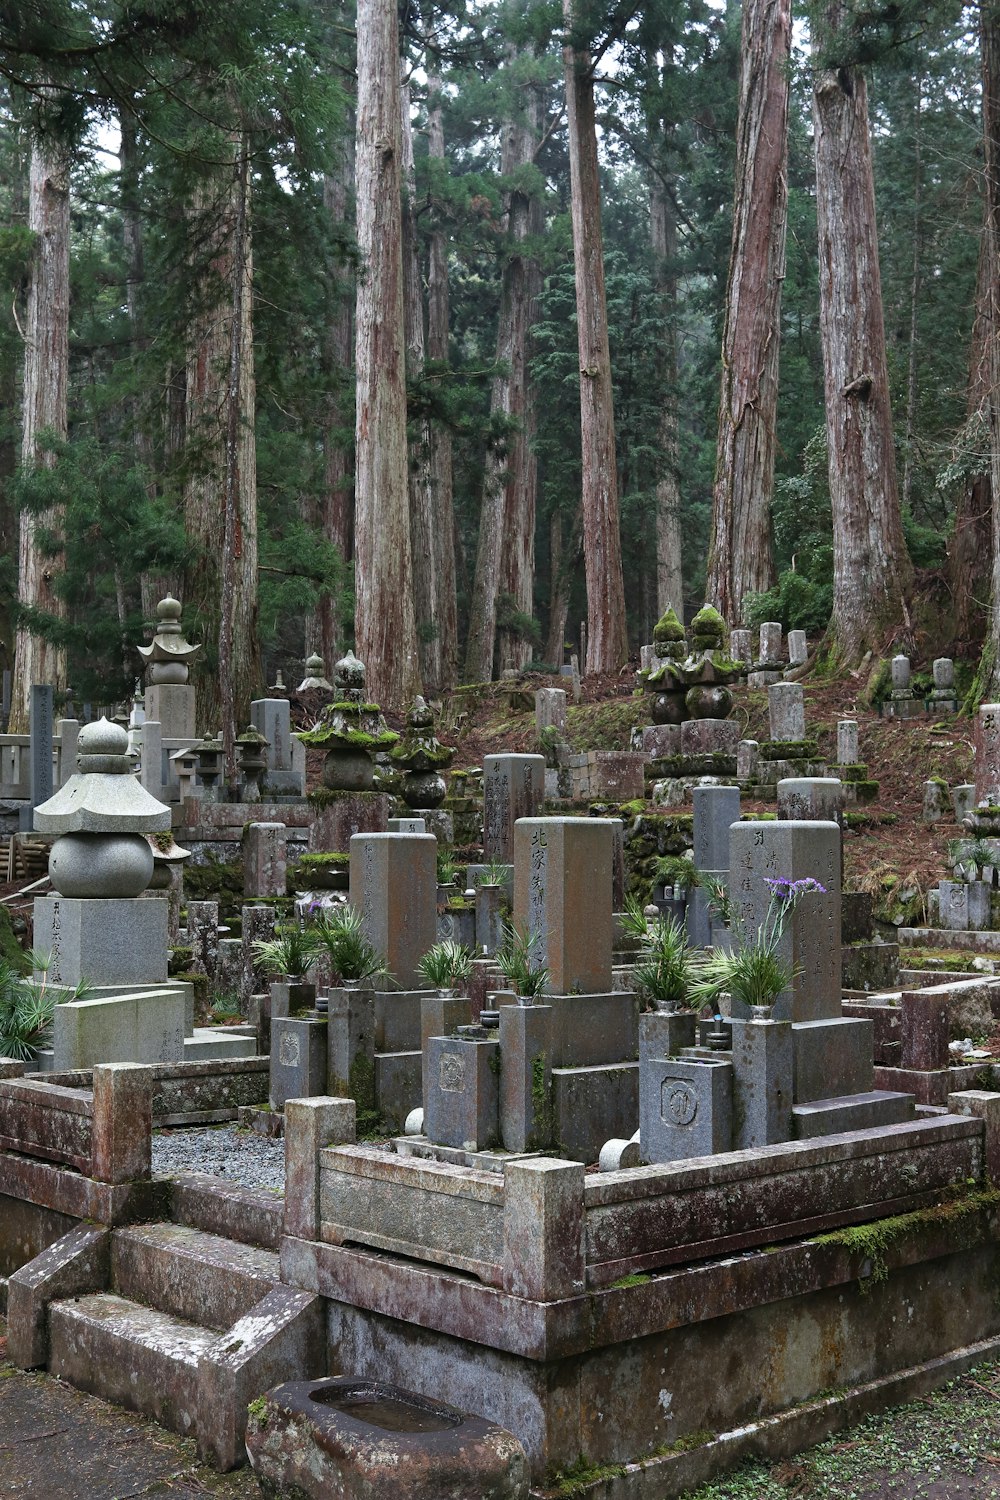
103,738
420,716
168,609
349,672
314,666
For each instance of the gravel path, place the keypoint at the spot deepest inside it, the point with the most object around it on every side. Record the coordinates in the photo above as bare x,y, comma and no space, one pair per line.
243,1157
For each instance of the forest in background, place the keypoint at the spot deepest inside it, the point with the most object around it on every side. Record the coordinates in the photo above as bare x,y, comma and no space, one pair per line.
202,163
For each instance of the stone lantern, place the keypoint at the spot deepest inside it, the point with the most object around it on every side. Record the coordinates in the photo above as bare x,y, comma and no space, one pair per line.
350,731
170,698
423,757
96,927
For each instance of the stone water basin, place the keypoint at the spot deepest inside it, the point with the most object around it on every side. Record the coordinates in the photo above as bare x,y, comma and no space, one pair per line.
350,1439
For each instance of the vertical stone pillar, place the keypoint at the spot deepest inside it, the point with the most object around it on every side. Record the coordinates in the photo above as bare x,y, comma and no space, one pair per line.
526,1114
311,1124
562,893
513,788
122,1138
847,742
265,860
786,707
763,1080
41,727
760,852
543,1229
394,887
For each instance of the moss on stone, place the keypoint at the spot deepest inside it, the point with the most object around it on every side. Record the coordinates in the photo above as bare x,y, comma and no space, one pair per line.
668,628
872,1240
789,750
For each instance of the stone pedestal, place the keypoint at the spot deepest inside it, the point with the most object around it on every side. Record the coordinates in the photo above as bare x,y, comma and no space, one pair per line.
563,893
813,798
663,1033
462,1092
336,822
685,1109
526,1118
106,942
440,1015
298,1059
763,1081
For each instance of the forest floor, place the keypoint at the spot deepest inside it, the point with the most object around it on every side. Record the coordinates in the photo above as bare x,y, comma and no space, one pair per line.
901,755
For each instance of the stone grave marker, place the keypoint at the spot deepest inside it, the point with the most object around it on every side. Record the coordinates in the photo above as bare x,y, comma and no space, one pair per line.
513,788
563,893
394,885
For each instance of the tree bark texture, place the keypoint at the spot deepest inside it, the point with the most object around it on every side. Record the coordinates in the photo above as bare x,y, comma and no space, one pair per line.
440,458
970,548
421,488
510,474
739,558
989,24
871,569
564,559
669,573
385,629
46,374
334,515
221,584
607,636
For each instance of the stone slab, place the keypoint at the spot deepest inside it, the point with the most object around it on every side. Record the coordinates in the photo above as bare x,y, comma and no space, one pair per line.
865,1111
832,1057
145,1026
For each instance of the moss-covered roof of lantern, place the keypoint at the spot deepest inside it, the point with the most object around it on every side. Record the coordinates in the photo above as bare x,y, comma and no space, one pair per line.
708,622
668,627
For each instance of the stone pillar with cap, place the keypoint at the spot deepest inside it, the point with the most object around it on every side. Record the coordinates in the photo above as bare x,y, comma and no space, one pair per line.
95,926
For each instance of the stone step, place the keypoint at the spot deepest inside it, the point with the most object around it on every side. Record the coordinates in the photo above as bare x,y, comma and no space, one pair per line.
208,1043
135,1356
190,1274
250,1215
851,1112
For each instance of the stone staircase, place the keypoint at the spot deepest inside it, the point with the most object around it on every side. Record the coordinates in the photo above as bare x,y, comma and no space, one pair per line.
191,1326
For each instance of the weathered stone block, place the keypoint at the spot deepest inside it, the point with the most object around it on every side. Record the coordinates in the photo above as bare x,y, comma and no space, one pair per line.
311,1124
664,1033
351,1046
120,941
543,1229
394,886
763,1082
716,809
265,860
710,737
513,788
832,1058
526,1116
786,711
924,1031
78,1262
685,1108
462,1092
298,1059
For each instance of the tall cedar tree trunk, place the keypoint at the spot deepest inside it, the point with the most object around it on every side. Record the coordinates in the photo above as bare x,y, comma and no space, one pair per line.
421,490
563,563
607,636
46,374
17,208
220,495
440,460
989,22
152,586
909,440
970,549
663,236
384,620
739,554
517,580
872,576
334,515
507,511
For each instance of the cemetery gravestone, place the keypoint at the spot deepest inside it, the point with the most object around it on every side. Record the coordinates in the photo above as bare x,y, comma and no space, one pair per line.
513,788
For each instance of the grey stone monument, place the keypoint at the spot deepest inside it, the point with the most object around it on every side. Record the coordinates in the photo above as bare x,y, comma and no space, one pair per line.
786,711
513,787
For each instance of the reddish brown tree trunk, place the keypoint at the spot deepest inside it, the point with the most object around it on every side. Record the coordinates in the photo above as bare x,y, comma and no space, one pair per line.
607,636
564,559
220,496
507,514
970,548
46,372
669,574
872,576
440,458
989,672
739,557
384,620
333,516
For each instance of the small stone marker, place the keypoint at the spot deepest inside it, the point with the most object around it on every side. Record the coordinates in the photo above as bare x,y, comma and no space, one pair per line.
798,648
937,802
847,742
550,710
900,673
716,809
513,788
747,760
685,1108
963,800
265,860
813,798
741,646
787,711
770,644
763,1074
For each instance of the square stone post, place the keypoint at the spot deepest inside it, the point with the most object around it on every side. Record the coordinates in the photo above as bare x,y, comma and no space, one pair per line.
763,1080
351,1046
122,1138
543,1229
526,1111
311,1124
